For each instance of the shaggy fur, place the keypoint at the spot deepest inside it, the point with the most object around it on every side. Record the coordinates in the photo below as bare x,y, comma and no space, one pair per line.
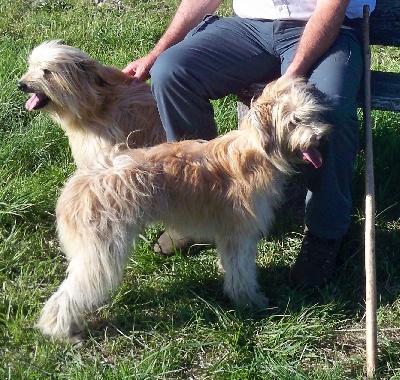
224,190
97,106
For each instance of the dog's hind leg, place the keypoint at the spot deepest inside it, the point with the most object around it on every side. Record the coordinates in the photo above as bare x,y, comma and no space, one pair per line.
96,239
238,261
96,265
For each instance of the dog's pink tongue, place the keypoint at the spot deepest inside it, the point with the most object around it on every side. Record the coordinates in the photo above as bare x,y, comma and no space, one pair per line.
313,156
34,101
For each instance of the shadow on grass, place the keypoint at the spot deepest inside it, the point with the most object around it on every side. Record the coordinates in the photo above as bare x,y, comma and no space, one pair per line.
192,293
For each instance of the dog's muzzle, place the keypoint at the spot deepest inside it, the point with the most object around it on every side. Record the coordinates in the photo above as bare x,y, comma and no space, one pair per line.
37,101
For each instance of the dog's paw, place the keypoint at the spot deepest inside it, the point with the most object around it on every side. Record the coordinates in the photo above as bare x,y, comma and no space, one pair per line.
75,336
260,302
51,327
60,321
48,323
255,300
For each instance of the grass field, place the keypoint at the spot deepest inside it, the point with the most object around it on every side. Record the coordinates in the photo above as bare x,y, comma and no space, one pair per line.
170,320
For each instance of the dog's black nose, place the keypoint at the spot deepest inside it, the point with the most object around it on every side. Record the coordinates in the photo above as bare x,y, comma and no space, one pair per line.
22,86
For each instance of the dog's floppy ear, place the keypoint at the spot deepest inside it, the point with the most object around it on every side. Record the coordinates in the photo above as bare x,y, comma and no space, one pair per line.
112,76
261,118
105,75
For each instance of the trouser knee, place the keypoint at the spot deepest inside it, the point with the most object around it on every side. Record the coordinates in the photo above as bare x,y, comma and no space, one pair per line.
184,107
162,74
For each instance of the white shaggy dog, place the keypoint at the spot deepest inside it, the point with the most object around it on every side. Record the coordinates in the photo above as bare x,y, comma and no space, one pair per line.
224,190
97,106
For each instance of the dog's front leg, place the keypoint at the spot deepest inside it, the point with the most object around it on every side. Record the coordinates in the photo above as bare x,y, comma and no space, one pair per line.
238,261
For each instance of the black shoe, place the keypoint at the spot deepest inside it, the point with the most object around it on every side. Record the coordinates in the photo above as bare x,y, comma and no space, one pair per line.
316,263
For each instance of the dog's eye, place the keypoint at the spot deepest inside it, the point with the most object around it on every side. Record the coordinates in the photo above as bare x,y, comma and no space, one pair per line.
46,72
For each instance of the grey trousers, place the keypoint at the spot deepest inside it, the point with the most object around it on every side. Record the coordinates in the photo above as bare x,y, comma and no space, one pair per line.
221,56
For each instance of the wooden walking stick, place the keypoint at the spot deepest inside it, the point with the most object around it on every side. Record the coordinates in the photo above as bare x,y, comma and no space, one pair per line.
370,267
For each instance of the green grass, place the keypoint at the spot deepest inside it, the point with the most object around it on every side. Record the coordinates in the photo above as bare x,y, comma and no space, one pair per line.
169,320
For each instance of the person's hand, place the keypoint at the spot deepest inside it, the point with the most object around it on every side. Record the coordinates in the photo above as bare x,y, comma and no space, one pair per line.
140,69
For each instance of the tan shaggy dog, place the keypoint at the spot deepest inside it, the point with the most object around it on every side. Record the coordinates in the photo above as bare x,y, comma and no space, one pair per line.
97,106
224,190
